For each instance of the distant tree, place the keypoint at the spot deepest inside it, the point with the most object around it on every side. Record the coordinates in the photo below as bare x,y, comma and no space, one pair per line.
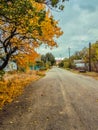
94,56
43,58
61,64
48,58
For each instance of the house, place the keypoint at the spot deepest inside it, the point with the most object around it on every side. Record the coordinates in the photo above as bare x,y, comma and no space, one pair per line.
12,66
80,65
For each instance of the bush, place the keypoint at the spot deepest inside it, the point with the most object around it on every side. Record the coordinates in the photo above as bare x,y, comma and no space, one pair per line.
1,74
43,68
39,73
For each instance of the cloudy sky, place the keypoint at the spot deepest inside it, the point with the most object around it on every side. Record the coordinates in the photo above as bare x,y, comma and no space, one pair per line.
79,22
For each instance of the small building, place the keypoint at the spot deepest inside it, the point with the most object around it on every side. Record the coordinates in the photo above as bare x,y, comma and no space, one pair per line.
12,66
80,65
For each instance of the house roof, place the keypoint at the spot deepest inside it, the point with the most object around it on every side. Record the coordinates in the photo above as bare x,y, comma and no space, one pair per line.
78,61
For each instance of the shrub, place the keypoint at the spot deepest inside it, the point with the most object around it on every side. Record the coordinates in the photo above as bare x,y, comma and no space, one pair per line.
1,74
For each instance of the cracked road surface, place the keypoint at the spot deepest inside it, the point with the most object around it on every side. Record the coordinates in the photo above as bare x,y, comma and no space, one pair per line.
61,100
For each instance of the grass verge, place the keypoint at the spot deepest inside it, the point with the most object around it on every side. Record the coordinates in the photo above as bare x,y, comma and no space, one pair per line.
91,74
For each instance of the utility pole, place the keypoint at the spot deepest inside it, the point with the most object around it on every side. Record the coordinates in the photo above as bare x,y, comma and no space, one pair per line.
89,57
69,57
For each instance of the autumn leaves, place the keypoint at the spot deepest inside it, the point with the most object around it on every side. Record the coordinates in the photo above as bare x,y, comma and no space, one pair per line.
24,26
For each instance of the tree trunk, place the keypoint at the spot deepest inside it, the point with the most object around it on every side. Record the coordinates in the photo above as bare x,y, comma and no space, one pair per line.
4,64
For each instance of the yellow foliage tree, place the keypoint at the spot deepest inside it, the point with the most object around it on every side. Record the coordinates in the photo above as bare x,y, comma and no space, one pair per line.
25,25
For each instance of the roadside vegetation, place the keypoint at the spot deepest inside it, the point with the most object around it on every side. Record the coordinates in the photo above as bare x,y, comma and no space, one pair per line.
85,61
13,83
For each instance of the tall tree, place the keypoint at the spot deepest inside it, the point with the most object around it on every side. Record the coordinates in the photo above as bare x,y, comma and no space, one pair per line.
24,25
49,57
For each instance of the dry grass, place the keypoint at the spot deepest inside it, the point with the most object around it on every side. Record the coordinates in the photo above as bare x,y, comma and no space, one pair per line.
91,74
13,85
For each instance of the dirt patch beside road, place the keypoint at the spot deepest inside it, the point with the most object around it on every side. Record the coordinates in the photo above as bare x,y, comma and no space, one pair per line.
91,74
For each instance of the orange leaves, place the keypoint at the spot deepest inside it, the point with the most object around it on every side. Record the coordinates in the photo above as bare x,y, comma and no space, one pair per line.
50,30
29,56
14,85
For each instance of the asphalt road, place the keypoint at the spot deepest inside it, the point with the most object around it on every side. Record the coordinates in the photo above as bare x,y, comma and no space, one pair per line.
61,100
